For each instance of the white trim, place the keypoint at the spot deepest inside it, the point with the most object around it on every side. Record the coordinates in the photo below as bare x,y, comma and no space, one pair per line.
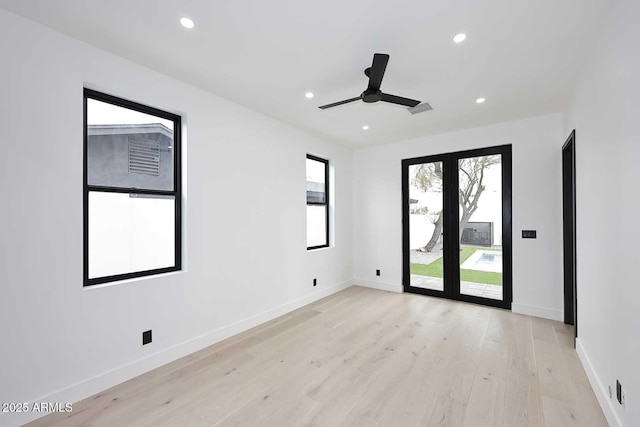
101,382
391,287
543,312
598,387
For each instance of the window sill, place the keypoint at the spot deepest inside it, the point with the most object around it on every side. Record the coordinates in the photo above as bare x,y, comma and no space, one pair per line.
320,248
134,279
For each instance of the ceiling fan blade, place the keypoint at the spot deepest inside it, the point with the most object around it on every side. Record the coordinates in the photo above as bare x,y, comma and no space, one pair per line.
376,72
335,104
398,100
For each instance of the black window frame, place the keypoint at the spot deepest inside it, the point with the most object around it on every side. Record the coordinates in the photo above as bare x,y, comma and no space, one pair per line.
326,199
176,193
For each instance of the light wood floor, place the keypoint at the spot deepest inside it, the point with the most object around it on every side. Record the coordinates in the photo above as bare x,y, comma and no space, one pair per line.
364,357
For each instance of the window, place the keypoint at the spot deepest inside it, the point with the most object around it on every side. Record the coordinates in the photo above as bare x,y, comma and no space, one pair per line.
317,202
132,224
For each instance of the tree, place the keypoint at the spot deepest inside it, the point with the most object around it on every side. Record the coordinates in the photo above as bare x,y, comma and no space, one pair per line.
428,177
437,231
471,185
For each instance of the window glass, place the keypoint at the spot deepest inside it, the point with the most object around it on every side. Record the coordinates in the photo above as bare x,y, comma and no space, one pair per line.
316,186
127,148
132,191
130,232
317,202
316,225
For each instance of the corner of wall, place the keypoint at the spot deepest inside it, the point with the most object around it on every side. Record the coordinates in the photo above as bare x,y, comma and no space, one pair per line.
596,384
542,312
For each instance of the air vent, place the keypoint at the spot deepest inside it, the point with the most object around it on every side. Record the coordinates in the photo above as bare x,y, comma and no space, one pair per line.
144,156
420,108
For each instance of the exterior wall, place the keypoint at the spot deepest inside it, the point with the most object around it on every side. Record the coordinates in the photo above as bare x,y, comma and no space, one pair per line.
108,162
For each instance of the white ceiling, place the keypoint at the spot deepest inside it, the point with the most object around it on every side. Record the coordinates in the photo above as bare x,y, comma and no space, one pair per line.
521,55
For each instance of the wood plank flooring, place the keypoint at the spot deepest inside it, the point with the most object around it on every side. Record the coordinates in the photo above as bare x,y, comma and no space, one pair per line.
364,357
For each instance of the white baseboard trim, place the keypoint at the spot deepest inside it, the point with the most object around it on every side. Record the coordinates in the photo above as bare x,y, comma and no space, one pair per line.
543,312
598,387
378,285
101,382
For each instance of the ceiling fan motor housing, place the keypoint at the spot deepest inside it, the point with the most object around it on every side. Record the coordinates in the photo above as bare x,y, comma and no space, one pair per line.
371,95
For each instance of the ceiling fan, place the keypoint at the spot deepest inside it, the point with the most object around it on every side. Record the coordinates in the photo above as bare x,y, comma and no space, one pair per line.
373,92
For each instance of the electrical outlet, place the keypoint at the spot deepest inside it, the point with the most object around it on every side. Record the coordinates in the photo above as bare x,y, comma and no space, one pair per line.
315,282
146,337
619,394
377,272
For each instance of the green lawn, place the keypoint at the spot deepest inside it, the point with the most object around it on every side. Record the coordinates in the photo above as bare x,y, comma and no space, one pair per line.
435,270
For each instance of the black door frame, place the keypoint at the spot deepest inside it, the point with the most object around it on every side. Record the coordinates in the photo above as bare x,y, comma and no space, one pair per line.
451,253
569,231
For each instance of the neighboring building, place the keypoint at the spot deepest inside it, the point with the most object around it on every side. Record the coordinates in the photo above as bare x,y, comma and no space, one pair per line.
131,156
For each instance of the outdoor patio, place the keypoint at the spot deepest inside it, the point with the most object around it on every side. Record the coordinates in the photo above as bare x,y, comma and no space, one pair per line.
467,288
483,290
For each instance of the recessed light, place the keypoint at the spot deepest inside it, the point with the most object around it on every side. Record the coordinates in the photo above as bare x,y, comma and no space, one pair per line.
459,38
309,95
365,127
187,22
480,100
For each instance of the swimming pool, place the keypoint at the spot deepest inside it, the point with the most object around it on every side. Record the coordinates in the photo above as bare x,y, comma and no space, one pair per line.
484,261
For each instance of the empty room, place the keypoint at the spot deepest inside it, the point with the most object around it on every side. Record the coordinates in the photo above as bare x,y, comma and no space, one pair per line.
295,213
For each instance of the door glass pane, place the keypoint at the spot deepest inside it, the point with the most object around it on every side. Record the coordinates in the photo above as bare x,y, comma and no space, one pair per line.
130,233
480,197
426,226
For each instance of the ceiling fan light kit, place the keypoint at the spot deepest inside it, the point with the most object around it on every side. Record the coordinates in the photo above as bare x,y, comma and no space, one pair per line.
373,93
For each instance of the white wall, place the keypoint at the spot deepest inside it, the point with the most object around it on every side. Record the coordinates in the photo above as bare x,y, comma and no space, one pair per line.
60,342
606,114
536,150
246,260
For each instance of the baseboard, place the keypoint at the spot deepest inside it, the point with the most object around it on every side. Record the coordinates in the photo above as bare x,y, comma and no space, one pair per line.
378,285
101,382
532,310
598,387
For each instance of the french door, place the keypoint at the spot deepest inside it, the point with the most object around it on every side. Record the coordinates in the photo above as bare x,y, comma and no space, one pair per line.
456,219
